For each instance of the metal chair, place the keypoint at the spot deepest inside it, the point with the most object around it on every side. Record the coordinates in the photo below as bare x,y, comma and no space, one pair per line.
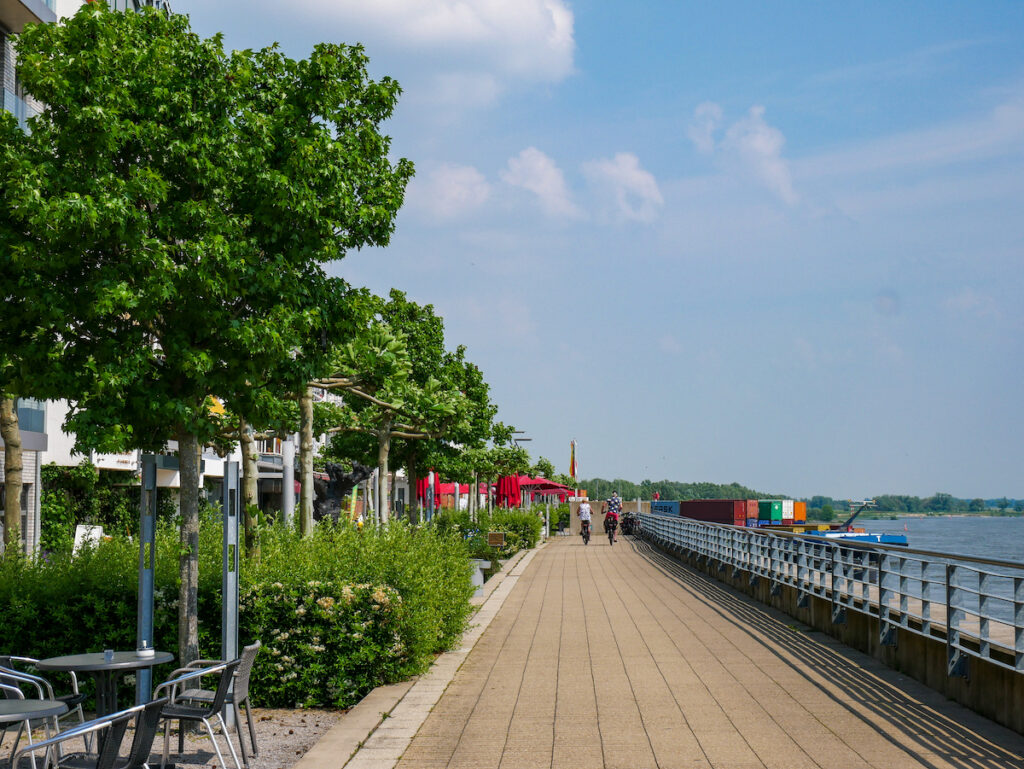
237,695
73,700
181,709
147,722
11,683
110,729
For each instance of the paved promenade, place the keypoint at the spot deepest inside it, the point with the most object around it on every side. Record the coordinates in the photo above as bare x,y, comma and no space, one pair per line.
617,657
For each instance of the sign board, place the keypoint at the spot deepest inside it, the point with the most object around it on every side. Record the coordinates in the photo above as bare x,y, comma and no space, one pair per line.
496,539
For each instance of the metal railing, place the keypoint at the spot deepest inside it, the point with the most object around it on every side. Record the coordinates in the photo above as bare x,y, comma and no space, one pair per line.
974,605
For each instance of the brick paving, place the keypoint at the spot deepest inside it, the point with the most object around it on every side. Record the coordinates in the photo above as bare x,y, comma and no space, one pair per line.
617,656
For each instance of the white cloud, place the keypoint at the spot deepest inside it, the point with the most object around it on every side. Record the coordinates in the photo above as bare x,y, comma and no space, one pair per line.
669,345
982,138
534,171
635,189
750,147
449,191
759,147
498,42
970,302
706,120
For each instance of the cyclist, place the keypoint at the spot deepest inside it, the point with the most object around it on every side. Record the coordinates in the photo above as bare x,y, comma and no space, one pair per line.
612,508
584,515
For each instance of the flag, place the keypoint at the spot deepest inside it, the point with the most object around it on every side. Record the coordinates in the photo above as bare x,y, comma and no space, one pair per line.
572,460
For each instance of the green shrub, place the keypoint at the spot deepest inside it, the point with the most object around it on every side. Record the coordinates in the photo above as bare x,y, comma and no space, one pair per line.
324,642
522,530
62,604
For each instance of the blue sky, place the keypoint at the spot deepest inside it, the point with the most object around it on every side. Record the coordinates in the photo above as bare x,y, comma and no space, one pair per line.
774,243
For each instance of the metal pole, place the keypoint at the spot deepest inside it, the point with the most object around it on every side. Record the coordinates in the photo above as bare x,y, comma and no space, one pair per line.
288,480
147,571
430,495
229,574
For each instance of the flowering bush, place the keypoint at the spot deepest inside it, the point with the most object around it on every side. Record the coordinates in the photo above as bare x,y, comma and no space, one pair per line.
380,602
324,643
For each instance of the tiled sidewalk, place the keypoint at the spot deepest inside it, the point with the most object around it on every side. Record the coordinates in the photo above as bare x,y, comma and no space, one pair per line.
617,657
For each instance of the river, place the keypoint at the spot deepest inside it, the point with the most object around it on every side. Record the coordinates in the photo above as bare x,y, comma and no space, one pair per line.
1000,538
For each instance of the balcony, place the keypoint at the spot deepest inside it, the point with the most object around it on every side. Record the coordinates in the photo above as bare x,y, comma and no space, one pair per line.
15,14
20,108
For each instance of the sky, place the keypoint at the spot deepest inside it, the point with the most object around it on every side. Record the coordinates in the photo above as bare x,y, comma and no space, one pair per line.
778,244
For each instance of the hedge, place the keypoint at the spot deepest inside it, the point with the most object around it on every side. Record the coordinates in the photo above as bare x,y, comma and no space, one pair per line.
380,602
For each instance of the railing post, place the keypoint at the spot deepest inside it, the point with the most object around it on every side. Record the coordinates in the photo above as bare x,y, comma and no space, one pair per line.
956,659
886,629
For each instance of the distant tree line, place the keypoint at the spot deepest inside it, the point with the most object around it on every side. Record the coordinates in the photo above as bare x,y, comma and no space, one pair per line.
600,488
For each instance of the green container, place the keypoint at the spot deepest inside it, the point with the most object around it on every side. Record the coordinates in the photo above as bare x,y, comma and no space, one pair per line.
769,510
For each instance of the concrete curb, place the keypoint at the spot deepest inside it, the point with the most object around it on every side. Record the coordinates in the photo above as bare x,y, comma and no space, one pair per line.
377,731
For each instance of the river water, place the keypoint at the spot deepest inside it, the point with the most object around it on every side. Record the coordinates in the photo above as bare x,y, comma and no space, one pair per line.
979,536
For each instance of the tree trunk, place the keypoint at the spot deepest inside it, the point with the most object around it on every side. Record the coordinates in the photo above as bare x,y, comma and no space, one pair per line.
11,433
250,484
306,463
383,449
188,561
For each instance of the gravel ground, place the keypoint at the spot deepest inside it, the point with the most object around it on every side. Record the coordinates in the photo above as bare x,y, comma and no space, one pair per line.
283,737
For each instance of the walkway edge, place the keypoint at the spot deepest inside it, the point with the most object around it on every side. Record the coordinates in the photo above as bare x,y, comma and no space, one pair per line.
375,733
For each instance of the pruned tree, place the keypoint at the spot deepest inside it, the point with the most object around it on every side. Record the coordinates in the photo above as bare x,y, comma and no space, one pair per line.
168,224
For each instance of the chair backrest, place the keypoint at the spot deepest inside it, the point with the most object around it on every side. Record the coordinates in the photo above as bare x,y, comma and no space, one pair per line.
221,695
110,741
146,725
241,690
7,682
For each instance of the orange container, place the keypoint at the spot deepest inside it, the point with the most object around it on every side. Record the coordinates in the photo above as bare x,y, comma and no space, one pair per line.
799,511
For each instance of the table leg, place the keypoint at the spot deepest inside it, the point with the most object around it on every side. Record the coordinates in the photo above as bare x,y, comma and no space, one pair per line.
106,692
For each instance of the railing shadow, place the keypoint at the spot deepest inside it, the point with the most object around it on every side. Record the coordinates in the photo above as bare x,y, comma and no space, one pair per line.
918,728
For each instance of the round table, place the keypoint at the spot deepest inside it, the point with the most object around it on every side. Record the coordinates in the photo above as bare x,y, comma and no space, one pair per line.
13,711
105,671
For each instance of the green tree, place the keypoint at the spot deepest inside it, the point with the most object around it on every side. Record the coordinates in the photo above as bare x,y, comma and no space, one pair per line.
168,222
1002,504
384,402
977,505
543,468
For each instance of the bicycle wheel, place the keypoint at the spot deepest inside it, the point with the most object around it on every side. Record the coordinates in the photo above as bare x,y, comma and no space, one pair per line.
611,535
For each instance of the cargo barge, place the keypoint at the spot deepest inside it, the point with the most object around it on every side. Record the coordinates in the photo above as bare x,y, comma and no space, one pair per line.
772,514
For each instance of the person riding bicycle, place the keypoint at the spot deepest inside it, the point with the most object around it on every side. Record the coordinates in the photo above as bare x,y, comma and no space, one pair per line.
612,509
584,514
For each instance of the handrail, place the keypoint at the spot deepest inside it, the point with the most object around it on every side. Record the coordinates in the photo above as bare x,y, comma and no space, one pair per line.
875,545
963,601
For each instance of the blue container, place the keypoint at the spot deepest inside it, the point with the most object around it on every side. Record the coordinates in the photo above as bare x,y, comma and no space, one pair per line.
665,507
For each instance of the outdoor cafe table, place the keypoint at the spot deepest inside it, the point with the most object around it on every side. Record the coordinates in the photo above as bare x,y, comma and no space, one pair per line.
14,711
106,672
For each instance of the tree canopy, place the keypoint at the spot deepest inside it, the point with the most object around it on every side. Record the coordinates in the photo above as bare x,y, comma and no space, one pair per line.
165,223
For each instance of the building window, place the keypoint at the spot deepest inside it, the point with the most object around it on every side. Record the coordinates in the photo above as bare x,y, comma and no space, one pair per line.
32,415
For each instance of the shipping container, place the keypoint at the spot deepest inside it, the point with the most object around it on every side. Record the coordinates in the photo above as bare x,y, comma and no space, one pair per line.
770,510
752,509
799,512
665,507
752,523
730,511
787,509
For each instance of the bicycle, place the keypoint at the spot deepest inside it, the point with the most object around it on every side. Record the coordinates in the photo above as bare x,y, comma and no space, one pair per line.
610,526
585,531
